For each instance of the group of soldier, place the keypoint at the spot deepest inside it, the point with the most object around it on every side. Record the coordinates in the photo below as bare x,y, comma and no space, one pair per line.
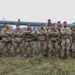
52,40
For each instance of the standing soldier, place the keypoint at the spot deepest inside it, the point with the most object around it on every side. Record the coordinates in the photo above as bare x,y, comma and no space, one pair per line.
59,26
42,44
66,33
29,38
18,39
48,26
53,46
73,41
6,38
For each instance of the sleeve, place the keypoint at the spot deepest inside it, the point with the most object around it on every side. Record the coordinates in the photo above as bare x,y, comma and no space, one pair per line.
15,33
21,33
70,31
3,32
10,32
62,31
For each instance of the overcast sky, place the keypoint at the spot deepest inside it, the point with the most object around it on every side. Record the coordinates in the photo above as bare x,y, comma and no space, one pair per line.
38,10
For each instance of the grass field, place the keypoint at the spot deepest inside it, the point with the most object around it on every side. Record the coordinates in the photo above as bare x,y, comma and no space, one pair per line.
37,65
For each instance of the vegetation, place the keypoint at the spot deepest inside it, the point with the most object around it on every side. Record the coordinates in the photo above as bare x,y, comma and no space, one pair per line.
36,66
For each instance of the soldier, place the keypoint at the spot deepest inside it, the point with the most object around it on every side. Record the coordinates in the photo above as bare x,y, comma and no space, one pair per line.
73,41
66,33
18,39
6,38
29,40
42,44
48,26
59,26
53,46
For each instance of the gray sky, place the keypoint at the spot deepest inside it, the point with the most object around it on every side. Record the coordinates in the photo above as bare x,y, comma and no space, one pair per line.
38,10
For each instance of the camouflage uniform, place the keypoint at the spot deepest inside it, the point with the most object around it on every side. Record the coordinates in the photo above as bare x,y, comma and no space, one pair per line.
53,46
6,39
65,32
42,43
18,40
73,43
59,29
28,38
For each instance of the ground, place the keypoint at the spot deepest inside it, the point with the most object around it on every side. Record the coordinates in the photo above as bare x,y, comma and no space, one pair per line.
36,66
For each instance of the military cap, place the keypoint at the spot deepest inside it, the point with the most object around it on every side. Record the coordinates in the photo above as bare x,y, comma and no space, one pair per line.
64,22
6,23
53,24
59,22
28,25
49,19
41,24
17,24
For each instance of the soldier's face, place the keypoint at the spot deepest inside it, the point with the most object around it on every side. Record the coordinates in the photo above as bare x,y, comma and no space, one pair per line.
49,22
18,27
59,24
28,27
7,25
65,25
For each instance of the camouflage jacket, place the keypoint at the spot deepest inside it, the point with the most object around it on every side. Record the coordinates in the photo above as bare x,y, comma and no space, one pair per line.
65,32
29,35
48,27
73,35
18,35
54,34
41,33
6,34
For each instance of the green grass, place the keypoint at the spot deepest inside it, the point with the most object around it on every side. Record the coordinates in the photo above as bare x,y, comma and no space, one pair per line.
36,66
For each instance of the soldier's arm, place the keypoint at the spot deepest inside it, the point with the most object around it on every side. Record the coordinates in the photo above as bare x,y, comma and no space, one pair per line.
39,33
15,33
27,31
57,32
32,33
10,32
3,32
70,31
21,33
62,31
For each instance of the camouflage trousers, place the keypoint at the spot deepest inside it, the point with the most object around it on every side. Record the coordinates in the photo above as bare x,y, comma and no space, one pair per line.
73,48
54,49
6,45
42,46
20,46
65,47
27,46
